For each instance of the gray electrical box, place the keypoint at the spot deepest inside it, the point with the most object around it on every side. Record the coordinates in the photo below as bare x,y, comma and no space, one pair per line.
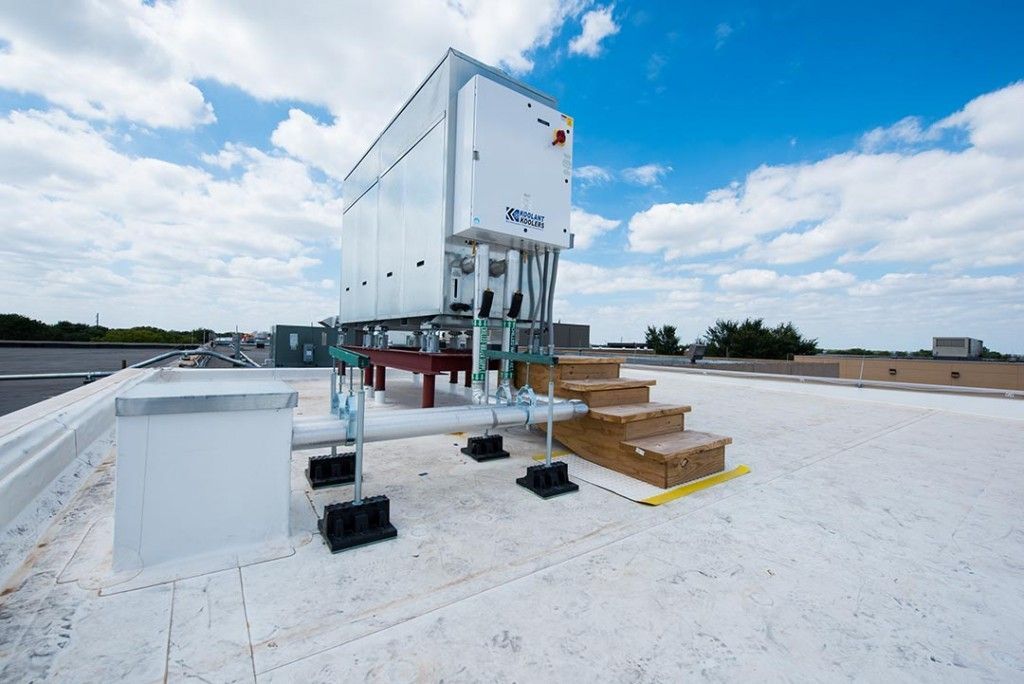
295,346
404,261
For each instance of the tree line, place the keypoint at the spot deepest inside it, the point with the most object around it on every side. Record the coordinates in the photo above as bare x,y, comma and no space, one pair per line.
748,339
18,327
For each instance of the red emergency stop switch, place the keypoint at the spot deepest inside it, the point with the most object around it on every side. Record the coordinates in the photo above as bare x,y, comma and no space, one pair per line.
559,137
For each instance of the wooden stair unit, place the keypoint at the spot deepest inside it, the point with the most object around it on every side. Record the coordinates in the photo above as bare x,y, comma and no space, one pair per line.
624,430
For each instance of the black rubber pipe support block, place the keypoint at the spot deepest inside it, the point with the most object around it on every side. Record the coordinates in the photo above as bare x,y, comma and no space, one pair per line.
331,471
547,481
348,525
486,448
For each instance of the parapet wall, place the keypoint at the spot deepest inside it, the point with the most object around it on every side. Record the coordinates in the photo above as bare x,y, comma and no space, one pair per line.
966,373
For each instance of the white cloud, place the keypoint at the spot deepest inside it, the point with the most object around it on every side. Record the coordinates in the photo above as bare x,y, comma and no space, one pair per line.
722,33
993,122
754,279
129,60
195,246
598,24
592,175
961,208
937,285
331,148
648,174
588,227
585,279
270,268
87,226
895,311
906,131
100,60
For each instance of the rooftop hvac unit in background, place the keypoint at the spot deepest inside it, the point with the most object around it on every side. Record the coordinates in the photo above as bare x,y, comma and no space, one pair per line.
473,156
956,348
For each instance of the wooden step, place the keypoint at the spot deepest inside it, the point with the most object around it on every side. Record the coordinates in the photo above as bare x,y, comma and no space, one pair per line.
568,368
665,460
685,456
676,445
601,384
613,424
585,360
628,413
596,393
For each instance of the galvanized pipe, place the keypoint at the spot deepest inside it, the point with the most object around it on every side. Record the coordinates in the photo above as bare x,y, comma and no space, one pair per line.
531,259
481,332
357,494
385,425
551,304
544,291
191,352
57,376
508,327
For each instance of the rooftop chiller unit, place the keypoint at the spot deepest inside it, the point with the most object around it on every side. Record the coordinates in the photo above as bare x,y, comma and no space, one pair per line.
473,162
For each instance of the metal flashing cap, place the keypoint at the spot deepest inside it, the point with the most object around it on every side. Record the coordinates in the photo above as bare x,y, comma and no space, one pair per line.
160,397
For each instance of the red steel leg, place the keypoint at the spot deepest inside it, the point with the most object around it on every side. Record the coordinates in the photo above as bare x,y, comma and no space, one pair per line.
453,377
378,382
469,379
368,375
428,391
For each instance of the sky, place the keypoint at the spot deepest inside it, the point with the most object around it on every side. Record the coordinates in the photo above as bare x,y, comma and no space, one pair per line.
856,168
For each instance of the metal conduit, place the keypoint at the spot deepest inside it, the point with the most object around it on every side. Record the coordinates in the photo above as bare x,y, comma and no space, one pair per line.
57,376
551,304
385,425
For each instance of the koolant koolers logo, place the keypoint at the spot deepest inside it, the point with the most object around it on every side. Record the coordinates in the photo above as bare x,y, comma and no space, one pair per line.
524,218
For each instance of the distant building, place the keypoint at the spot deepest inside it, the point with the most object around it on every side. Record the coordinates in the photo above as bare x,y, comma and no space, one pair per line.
956,348
567,335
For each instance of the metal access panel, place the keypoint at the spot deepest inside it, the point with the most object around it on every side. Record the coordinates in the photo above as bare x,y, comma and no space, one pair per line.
298,346
513,168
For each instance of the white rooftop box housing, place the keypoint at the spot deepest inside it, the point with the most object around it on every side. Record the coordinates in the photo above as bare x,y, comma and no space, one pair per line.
956,347
474,155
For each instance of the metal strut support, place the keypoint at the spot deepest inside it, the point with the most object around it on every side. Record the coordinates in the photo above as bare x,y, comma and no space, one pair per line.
359,521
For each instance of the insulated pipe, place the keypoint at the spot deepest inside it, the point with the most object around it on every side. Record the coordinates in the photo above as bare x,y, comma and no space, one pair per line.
551,305
481,333
380,426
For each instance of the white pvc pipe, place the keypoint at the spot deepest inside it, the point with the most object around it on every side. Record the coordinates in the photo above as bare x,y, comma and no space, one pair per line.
385,425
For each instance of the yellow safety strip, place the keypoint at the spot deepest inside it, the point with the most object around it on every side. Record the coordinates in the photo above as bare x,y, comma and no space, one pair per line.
554,454
687,489
677,492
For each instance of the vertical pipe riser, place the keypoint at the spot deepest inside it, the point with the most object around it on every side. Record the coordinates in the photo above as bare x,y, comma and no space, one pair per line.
481,333
508,330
